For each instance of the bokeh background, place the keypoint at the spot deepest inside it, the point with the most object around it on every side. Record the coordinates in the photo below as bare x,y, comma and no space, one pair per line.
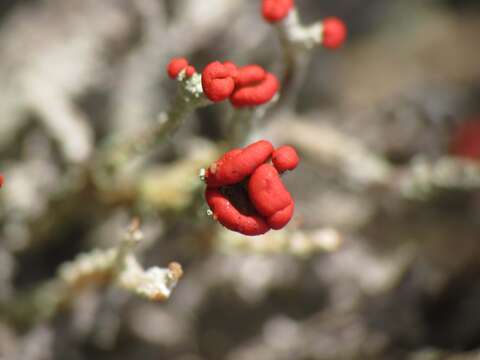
393,272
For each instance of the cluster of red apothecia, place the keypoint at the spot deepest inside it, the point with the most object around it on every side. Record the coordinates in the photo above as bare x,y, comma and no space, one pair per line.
245,191
245,86
334,30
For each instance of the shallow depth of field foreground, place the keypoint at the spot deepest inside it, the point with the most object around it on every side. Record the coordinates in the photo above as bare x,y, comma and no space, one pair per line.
239,180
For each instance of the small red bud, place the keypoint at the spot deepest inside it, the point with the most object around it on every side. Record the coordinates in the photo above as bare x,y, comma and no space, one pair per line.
250,75
466,140
270,197
227,214
334,33
190,70
282,217
176,65
285,158
237,164
232,68
276,10
218,80
254,92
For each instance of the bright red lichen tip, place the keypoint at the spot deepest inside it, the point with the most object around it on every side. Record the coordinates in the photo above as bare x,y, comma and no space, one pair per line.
177,65
247,86
237,164
254,86
1,180
276,10
228,215
246,194
270,197
218,80
334,33
465,141
285,158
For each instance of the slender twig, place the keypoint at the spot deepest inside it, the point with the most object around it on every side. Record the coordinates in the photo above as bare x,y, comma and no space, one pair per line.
289,241
421,179
424,178
242,121
116,265
296,40
121,149
239,125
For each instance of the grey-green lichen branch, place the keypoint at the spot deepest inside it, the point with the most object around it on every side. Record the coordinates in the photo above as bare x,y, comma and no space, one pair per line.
241,122
119,150
116,266
425,178
296,40
422,179
298,36
291,241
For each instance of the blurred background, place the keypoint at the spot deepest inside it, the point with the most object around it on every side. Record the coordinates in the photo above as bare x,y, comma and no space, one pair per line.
382,260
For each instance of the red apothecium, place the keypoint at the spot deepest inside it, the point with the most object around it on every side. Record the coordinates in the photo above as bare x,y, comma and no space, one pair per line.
176,65
245,192
334,33
276,10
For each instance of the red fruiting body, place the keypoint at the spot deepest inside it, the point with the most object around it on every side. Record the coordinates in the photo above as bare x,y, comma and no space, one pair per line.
334,33
270,197
249,75
237,164
253,89
285,158
246,194
248,86
466,140
228,215
190,70
176,65
218,80
282,217
276,10
1,181
232,68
